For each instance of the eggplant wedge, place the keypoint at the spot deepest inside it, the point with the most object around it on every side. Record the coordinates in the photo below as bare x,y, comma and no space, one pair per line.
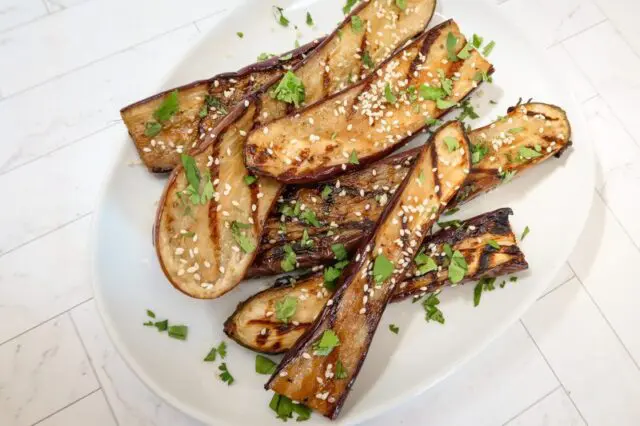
254,324
201,106
374,117
224,227
347,208
342,333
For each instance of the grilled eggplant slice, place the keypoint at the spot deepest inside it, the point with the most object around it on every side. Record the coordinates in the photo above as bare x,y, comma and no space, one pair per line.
254,325
352,316
372,118
347,208
202,104
227,228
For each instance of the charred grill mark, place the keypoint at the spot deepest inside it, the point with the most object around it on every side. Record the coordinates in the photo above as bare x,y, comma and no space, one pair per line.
326,77
363,48
434,165
214,233
261,339
485,256
535,113
563,149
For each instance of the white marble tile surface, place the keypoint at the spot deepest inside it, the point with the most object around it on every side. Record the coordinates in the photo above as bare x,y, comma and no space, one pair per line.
16,12
555,409
42,371
59,5
92,410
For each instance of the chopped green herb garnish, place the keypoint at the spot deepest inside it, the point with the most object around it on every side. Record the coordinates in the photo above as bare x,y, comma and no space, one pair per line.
339,251
446,248
286,308
249,179
306,241
446,83
353,158
309,216
465,53
265,365
162,325
288,263
442,104
290,89
451,143
485,284
326,343
489,48
483,76
513,279
167,108
245,242
191,171
430,305
457,268
285,408
432,122
388,94
528,153
507,175
285,57
348,5
477,41
425,263
493,244
240,34
150,313
450,223
382,268
467,111
330,275
152,128
524,233
516,130
451,211
326,191
309,20
367,61
221,350
394,328
421,177
279,15
179,332
452,40
215,103
203,111
430,93
264,56
356,23
225,376
402,4
341,372
478,152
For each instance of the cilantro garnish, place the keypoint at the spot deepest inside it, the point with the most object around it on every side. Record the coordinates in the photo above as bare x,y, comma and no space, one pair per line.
524,233
167,108
326,191
353,158
465,53
152,128
382,268
430,305
443,104
306,241
288,263
285,57
485,284
367,61
264,56
452,40
489,48
478,152
432,122
324,346
394,328
451,143
249,179
402,4
179,332
339,251
348,5
494,244
447,223
245,242
221,350
388,94
430,93
356,23
225,376
477,41
151,314
341,372
446,83
290,89
265,365
309,20
457,267
240,34
467,111
285,408
451,211
330,275
421,177
425,263
280,18
286,308
528,153
309,216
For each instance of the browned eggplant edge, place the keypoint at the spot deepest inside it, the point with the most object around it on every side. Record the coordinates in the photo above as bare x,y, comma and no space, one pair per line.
494,222
329,172
348,275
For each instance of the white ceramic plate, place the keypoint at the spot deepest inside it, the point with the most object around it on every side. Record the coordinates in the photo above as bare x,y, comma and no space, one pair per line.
552,199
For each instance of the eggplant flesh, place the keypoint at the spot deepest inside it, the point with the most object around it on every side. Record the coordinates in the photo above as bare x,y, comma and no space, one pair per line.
366,286
202,105
254,324
348,207
372,118
211,261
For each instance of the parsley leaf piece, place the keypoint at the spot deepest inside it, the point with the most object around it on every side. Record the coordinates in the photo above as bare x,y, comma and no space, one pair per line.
524,233
367,61
191,171
425,263
203,111
225,376
284,408
430,93
341,372
452,40
528,153
430,305
465,53
507,175
494,244
488,48
167,108
150,313
240,34
451,143
451,211
290,89
402,4
179,332
353,158
286,308
356,23
446,83
330,275
447,223
443,104
264,56
457,268
382,268
245,242
309,20
265,365
478,152
215,103
485,284
432,122
388,94
211,356
394,328
348,5
309,216
339,251
306,241
249,179
326,343
280,18
446,248
467,111
326,191
222,349
148,323
477,41
162,325
513,279
285,57
152,128
288,263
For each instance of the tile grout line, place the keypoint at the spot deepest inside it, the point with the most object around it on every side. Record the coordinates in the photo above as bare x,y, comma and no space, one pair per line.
66,406
615,217
633,360
615,28
117,52
59,148
93,368
51,231
559,285
59,314
553,371
533,404
46,6
584,30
